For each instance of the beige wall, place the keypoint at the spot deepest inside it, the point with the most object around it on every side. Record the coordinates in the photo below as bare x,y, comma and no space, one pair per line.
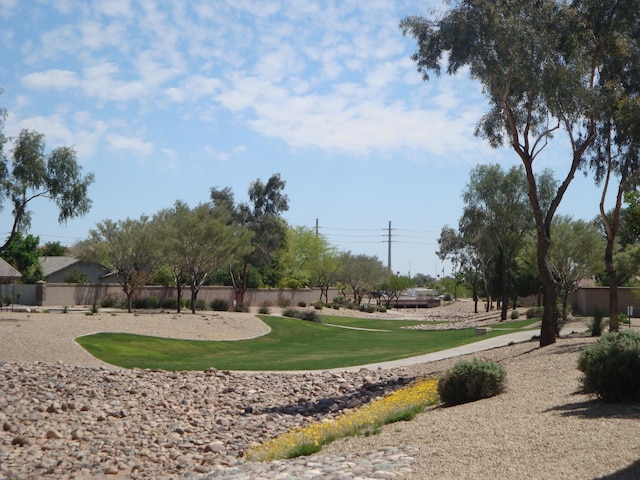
59,294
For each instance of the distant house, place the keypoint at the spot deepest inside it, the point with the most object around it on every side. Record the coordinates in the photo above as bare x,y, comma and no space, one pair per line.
61,269
8,274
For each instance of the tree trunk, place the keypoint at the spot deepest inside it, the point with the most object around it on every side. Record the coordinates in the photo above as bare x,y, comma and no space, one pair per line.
194,297
614,325
549,295
179,295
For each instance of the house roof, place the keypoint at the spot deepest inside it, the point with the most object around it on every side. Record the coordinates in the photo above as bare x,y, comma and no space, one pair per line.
7,271
52,265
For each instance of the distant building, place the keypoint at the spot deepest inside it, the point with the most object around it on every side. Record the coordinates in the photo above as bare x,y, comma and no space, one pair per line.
59,269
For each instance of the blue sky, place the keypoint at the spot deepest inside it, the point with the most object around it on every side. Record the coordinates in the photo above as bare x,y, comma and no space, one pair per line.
164,100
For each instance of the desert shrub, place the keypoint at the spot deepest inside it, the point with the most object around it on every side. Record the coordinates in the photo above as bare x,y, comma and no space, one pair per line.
335,306
284,302
241,307
302,304
611,367
514,314
382,309
310,316
342,301
367,308
110,301
264,310
447,297
596,322
7,299
623,318
146,302
219,305
468,381
170,303
291,313
200,304
535,312
318,305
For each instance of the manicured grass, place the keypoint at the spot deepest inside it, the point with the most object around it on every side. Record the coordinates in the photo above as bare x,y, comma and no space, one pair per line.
293,344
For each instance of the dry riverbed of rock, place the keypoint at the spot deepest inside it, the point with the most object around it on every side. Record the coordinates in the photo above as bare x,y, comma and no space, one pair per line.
84,422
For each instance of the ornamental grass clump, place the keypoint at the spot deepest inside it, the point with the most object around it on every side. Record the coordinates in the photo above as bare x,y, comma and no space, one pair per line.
403,404
468,381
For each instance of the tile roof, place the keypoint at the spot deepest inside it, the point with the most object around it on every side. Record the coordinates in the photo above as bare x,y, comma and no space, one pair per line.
55,264
7,271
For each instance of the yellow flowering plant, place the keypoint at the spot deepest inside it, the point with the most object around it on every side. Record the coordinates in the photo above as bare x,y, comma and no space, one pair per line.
402,404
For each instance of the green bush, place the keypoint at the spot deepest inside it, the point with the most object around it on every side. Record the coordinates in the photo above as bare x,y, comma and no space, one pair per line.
447,297
596,323
318,305
468,381
514,314
341,301
291,312
367,308
535,312
111,301
623,318
611,367
219,305
200,304
302,304
170,303
146,302
311,316
264,310
335,306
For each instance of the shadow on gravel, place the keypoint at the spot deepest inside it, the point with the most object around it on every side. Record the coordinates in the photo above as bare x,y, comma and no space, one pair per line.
335,404
598,409
562,349
632,472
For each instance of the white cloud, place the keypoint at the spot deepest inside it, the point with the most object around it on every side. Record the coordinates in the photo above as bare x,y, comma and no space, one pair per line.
132,144
55,78
7,6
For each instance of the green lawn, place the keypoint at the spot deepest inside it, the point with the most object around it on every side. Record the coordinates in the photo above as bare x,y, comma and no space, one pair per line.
292,345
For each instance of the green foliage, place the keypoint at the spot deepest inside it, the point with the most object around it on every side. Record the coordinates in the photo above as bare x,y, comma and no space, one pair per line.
149,302
611,367
31,174
7,299
75,276
264,310
514,314
623,318
311,316
596,323
111,301
219,305
367,308
468,381
318,305
306,315
169,303
53,249
535,312
302,304
200,304
22,253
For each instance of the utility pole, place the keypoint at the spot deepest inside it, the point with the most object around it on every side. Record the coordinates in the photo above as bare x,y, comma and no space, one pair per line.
317,227
389,246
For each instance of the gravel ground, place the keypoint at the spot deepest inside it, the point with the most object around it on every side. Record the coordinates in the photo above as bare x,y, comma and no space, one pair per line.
539,428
